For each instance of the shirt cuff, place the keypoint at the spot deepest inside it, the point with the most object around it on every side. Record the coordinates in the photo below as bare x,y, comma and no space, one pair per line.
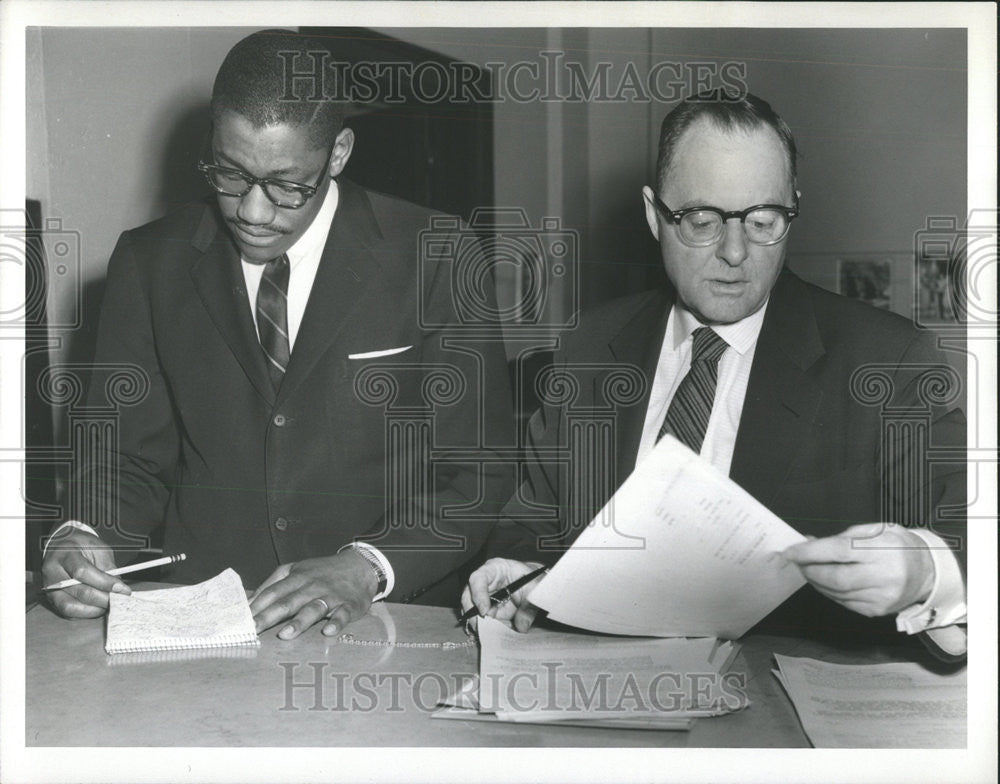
370,554
945,607
67,524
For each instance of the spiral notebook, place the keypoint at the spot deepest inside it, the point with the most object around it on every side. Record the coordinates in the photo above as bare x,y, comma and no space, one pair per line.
212,614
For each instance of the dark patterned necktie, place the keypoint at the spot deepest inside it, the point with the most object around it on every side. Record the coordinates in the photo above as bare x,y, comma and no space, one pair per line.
272,317
687,417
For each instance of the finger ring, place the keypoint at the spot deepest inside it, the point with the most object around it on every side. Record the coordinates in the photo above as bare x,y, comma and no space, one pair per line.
326,607
500,598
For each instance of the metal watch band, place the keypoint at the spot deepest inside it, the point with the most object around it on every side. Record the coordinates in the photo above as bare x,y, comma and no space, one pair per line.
380,575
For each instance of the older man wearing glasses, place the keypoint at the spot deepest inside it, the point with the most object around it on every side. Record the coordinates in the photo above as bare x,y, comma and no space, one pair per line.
272,325
758,372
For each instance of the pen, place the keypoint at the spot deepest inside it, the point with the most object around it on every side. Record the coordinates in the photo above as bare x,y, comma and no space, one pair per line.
168,559
503,595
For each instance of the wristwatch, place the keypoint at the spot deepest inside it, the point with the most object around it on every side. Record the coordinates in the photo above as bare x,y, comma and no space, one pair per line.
372,557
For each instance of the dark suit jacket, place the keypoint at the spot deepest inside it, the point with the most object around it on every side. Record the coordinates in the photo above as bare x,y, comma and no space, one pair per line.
820,450
213,463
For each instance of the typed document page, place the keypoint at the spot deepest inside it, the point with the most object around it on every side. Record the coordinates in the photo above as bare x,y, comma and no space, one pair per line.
679,551
876,706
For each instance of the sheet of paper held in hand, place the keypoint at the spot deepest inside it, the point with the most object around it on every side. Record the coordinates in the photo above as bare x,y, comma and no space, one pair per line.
876,706
679,551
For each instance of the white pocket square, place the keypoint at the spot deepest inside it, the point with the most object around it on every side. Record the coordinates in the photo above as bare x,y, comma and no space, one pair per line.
388,352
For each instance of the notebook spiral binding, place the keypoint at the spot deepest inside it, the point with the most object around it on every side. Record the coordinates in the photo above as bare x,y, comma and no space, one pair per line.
183,644
180,656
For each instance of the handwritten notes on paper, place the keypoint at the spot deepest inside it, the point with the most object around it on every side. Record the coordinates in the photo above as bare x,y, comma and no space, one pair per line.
211,614
679,551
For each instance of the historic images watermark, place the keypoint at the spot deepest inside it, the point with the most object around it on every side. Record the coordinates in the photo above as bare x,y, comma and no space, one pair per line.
953,264
50,257
549,77
316,686
545,303
545,259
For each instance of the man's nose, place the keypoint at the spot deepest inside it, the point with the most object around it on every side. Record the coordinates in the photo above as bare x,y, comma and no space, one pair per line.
255,208
732,248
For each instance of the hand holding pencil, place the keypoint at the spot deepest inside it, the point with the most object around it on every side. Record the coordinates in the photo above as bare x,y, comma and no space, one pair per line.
136,567
81,556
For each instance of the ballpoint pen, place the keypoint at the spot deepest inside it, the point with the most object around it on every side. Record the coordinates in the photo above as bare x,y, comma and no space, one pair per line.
503,595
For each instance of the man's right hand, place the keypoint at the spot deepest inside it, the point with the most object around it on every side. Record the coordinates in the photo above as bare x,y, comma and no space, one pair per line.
78,555
493,576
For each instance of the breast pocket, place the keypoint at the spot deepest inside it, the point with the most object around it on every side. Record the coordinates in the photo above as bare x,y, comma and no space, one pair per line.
369,386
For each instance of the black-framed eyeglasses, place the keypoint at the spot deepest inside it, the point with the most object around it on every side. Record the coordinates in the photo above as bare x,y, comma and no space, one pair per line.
281,193
698,227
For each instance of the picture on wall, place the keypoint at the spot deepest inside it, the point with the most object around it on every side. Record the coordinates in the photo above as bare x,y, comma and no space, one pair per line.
934,296
866,279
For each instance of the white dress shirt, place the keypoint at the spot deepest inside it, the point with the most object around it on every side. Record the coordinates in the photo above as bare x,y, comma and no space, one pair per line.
943,609
731,387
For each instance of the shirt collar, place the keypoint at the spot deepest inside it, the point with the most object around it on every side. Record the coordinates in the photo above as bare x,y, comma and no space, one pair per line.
313,240
740,335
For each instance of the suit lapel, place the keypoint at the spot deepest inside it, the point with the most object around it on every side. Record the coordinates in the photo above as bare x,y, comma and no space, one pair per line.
781,399
218,278
638,344
346,269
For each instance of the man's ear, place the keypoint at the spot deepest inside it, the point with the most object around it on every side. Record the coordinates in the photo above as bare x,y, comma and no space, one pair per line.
651,215
342,149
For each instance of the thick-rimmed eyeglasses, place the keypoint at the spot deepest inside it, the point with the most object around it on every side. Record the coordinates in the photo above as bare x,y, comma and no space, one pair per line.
763,224
281,193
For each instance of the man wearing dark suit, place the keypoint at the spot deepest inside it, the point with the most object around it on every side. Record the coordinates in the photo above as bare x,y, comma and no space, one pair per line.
802,386
287,341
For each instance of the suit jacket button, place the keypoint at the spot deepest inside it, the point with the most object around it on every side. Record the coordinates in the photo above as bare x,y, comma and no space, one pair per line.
281,524
279,420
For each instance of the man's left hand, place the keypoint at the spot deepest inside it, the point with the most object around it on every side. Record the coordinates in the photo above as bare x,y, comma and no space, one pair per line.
338,588
873,569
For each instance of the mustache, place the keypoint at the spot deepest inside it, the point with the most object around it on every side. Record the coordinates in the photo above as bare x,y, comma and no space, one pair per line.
252,227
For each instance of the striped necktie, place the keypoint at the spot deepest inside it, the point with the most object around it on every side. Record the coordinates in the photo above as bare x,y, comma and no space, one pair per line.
272,317
687,417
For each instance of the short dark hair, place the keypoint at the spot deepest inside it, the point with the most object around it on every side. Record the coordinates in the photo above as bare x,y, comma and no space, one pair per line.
747,114
252,81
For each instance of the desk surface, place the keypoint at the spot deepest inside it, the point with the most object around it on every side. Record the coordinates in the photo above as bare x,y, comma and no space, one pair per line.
301,692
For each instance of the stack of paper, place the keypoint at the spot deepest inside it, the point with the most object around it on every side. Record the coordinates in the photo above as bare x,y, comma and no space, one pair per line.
588,680
876,706
680,552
